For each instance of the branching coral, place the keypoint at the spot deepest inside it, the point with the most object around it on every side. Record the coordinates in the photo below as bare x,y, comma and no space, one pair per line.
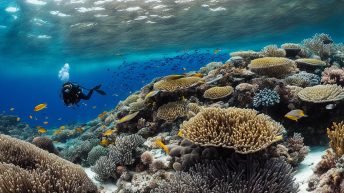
319,44
333,75
296,149
95,154
172,110
321,93
303,79
272,66
45,143
244,130
223,176
176,84
123,153
218,92
273,51
27,168
266,98
336,135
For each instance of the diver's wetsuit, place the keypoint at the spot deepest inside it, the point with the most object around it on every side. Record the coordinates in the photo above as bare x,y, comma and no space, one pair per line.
72,93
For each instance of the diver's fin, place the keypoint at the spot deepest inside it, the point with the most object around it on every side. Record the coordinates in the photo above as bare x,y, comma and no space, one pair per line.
100,91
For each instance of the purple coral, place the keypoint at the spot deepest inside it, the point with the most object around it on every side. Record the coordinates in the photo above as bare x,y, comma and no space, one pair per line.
333,75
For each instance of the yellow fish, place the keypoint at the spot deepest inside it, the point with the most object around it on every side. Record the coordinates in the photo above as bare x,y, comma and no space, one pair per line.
79,129
12,109
45,122
128,117
57,132
174,77
151,93
159,143
108,132
18,118
295,115
41,129
104,142
101,115
62,127
278,138
40,107
30,116
199,75
180,133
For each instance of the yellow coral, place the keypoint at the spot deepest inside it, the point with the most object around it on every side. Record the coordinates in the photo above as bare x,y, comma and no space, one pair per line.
176,84
310,62
336,135
194,107
218,92
272,66
172,110
244,130
321,93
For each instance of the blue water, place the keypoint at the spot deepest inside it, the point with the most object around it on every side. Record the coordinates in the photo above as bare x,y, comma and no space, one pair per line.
124,52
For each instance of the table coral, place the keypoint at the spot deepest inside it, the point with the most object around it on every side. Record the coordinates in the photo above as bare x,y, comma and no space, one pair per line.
272,66
218,92
321,93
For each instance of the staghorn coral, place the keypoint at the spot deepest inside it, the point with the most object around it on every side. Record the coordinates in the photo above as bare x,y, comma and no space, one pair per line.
122,153
333,75
221,176
176,84
303,79
336,135
273,51
172,110
218,92
272,66
266,98
244,130
45,143
95,153
27,168
321,93
319,44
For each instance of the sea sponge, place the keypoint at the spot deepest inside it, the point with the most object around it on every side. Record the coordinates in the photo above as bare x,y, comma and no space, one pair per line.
336,135
272,66
273,51
176,84
172,110
27,168
310,62
321,93
243,130
266,98
218,92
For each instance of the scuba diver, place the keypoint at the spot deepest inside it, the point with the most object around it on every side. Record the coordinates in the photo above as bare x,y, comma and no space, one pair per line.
72,93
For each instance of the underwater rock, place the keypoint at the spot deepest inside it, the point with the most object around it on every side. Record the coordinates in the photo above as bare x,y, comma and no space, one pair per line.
27,168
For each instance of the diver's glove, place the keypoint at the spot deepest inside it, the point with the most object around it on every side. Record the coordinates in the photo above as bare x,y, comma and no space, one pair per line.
97,89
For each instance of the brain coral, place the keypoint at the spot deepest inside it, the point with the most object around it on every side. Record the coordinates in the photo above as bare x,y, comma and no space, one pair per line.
321,93
272,66
244,130
266,98
336,135
176,84
27,168
218,92
172,110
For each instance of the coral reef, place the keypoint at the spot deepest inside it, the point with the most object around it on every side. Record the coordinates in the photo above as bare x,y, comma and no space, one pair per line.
223,176
333,75
303,79
272,66
240,129
218,92
336,135
176,84
319,44
266,98
273,51
172,110
321,93
27,168
45,143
